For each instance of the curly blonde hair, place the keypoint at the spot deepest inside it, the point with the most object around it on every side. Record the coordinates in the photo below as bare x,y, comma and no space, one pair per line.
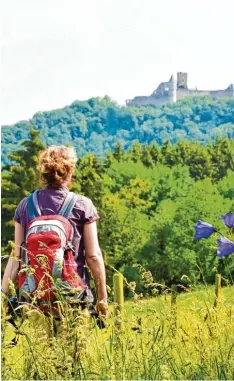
56,164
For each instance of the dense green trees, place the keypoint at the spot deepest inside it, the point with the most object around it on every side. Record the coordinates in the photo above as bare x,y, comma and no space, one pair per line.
149,199
98,124
19,179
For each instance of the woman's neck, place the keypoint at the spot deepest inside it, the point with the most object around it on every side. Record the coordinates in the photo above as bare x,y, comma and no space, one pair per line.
62,186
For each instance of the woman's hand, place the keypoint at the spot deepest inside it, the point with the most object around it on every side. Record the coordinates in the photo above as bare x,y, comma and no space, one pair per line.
102,307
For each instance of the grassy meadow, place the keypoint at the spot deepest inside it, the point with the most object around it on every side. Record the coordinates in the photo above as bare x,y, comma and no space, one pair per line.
192,340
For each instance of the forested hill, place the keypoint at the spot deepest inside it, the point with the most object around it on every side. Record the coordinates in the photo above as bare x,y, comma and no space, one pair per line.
98,124
148,198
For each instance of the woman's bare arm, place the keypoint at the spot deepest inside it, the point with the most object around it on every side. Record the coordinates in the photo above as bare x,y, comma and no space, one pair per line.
12,266
95,262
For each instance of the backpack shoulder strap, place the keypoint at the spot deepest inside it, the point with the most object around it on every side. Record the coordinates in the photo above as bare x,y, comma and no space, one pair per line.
33,206
68,204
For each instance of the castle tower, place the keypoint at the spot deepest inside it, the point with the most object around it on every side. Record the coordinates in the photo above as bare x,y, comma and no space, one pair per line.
172,89
182,80
231,88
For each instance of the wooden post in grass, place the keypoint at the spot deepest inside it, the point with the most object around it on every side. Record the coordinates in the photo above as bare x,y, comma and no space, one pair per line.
173,305
118,299
217,289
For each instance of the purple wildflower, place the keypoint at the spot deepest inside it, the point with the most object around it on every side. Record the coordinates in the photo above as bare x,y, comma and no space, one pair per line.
225,247
228,220
203,230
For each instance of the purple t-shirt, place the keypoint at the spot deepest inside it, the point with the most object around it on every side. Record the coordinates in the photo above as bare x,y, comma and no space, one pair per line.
50,201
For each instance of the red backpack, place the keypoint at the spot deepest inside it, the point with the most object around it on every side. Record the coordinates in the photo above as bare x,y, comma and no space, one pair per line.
49,270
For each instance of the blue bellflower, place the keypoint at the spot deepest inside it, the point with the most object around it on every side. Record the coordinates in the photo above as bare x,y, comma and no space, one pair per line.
225,247
203,230
228,220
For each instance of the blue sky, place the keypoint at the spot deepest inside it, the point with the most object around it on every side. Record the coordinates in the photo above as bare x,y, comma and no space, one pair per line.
58,51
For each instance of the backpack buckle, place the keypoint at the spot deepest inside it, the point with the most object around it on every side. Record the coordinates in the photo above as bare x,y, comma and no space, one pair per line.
69,246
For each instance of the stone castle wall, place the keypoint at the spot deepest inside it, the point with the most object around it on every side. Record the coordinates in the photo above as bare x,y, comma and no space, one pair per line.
171,91
183,93
151,100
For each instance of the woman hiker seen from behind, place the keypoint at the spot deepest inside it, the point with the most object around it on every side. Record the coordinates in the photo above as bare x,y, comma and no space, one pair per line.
58,230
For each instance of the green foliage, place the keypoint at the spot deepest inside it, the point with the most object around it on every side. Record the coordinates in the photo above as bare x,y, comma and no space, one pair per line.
89,178
171,251
149,199
98,124
19,179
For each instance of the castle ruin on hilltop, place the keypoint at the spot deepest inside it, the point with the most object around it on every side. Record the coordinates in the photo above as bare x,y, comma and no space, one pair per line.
174,89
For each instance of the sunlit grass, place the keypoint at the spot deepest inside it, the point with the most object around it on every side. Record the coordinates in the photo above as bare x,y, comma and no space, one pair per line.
194,342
